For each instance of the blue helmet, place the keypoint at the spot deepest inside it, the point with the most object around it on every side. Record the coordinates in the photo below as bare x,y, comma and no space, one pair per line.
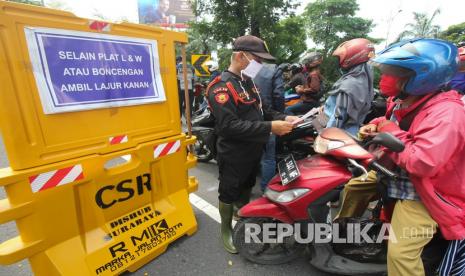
429,63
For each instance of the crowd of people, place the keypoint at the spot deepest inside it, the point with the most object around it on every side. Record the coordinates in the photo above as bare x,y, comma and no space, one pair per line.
423,81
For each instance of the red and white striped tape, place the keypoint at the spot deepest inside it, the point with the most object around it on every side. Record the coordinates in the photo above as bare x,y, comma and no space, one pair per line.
55,178
99,26
118,139
166,148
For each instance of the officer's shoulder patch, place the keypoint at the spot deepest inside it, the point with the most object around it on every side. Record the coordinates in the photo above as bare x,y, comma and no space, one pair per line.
220,89
221,97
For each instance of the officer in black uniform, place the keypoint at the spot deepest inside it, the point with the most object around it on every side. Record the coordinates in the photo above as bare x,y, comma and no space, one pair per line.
243,126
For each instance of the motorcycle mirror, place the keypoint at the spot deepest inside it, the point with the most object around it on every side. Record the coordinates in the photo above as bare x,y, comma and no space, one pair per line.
389,141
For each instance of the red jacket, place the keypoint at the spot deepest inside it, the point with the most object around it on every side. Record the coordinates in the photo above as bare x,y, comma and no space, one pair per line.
434,157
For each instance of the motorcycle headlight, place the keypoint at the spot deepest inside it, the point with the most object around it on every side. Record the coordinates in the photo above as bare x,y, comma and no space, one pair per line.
285,196
322,145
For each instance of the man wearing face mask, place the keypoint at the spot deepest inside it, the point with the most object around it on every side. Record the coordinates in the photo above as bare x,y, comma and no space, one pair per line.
243,125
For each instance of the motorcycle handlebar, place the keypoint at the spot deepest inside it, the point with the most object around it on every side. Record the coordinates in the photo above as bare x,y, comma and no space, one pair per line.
378,167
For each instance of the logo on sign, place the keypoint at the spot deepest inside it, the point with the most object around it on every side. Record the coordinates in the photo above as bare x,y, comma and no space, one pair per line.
125,190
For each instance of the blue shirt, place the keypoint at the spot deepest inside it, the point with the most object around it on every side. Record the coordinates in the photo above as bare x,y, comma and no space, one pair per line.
330,112
213,75
401,188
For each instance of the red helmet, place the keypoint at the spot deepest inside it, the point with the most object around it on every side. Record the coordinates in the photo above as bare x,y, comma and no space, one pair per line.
353,52
462,59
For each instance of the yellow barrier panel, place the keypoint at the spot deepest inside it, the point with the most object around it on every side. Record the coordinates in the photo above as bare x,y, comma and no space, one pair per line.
37,134
77,97
78,218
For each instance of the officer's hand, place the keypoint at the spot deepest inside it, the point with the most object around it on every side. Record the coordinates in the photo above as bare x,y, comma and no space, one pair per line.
281,127
293,120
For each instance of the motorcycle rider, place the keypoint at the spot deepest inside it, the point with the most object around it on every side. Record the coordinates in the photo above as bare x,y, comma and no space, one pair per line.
432,190
350,98
285,68
213,68
200,101
310,90
297,78
243,125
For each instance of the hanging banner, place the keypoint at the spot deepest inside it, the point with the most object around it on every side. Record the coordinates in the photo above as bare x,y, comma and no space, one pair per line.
80,71
165,13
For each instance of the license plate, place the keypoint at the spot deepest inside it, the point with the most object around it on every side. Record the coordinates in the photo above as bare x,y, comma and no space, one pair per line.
288,170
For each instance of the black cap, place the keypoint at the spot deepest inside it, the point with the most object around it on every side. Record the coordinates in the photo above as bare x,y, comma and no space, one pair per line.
254,45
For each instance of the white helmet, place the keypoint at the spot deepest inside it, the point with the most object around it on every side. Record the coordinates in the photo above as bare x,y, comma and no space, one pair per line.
212,65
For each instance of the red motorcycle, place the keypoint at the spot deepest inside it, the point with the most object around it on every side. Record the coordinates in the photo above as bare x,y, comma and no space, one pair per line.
299,195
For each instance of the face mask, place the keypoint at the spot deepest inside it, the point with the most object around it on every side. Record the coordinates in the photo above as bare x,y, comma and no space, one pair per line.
389,85
252,69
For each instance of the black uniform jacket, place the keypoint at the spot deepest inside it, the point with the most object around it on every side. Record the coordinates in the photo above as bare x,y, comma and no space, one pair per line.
241,122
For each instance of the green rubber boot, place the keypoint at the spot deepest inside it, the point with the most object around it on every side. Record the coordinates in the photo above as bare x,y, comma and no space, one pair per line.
243,200
226,213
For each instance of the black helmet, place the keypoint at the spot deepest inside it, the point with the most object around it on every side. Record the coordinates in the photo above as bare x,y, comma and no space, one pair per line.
296,68
284,67
312,59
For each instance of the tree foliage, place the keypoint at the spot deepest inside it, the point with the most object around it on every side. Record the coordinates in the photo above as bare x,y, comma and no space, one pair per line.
331,22
421,27
200,39
455,33
287,41
224,56
29,2
233,18
271,20
58,5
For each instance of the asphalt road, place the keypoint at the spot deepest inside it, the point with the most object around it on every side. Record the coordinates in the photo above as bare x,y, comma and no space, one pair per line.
200,254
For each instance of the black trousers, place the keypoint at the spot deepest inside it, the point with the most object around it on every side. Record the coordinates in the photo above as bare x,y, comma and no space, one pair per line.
236,177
